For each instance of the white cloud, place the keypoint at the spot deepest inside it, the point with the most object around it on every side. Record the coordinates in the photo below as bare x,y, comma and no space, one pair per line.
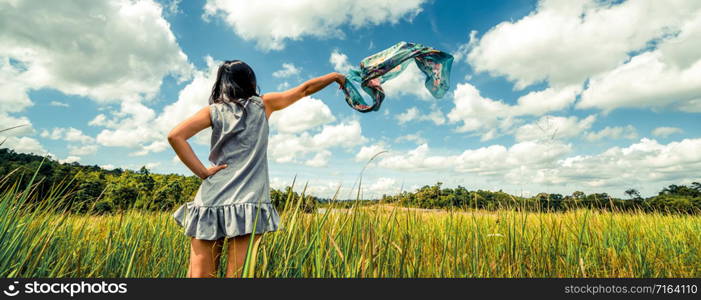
86,144
461,53
631,54
69,159
642,163
411,137
664,132
323,187
171,7
488,116
286,147
491,160
13,87
152,165
98,49
413,113
108,51
367,152
58,103
436,116
411,82
616,132
588,37
283,86
138,126
552,127
551,163
131,127
54,134
82,150
320,159
24,145
288,69
652,79
410,114
75,135
271,23
302,115
383,185
344,134
340,61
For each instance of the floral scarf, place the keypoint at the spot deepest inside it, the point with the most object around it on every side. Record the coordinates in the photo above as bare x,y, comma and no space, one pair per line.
387,64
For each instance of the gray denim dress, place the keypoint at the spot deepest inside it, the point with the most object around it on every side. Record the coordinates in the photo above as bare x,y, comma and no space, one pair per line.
227,202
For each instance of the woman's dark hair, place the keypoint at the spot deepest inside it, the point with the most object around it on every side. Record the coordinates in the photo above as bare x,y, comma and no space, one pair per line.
235,80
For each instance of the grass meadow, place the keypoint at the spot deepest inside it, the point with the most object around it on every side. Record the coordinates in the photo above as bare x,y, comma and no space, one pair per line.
37,240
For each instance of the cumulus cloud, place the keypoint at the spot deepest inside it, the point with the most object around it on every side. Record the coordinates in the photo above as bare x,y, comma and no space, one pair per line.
383,185
411,82
490,160
137,126
79,143
287,148
644,162
24,145
82,149
140,127
320,159
410,114
367,152
588,37
109,50
489,117
59,104
664,132
616,132
668,76
650,80
340,61
283,86
630,54
128,127
413,113
306,113
270,23
69,134
553,127
69,159
288,69
415,137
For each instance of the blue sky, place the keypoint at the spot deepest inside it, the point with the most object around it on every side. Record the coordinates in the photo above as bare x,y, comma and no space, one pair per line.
550,96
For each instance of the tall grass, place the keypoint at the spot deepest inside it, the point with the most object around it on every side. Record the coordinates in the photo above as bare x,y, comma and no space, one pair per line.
39,240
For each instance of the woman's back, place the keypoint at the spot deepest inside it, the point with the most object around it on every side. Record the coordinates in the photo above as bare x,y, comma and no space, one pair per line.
226,202
235,136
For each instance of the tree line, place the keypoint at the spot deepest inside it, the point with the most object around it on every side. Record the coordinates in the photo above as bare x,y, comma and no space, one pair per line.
674,198
97,190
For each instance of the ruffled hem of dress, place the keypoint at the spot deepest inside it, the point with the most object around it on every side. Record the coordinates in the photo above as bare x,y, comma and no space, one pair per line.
215,222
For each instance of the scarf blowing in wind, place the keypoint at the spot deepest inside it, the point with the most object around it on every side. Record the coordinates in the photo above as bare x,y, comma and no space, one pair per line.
387,64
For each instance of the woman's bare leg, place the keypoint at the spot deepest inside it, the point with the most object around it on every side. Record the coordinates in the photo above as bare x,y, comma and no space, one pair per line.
237,253
204,258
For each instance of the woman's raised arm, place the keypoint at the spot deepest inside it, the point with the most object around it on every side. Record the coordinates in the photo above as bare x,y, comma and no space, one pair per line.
280,100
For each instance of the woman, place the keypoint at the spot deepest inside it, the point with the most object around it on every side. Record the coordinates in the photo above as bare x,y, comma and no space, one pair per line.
235,192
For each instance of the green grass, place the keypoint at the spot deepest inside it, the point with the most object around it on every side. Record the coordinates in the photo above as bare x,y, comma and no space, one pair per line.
367,241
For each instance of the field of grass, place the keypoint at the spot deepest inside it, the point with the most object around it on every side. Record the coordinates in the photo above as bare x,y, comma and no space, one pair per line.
370,241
